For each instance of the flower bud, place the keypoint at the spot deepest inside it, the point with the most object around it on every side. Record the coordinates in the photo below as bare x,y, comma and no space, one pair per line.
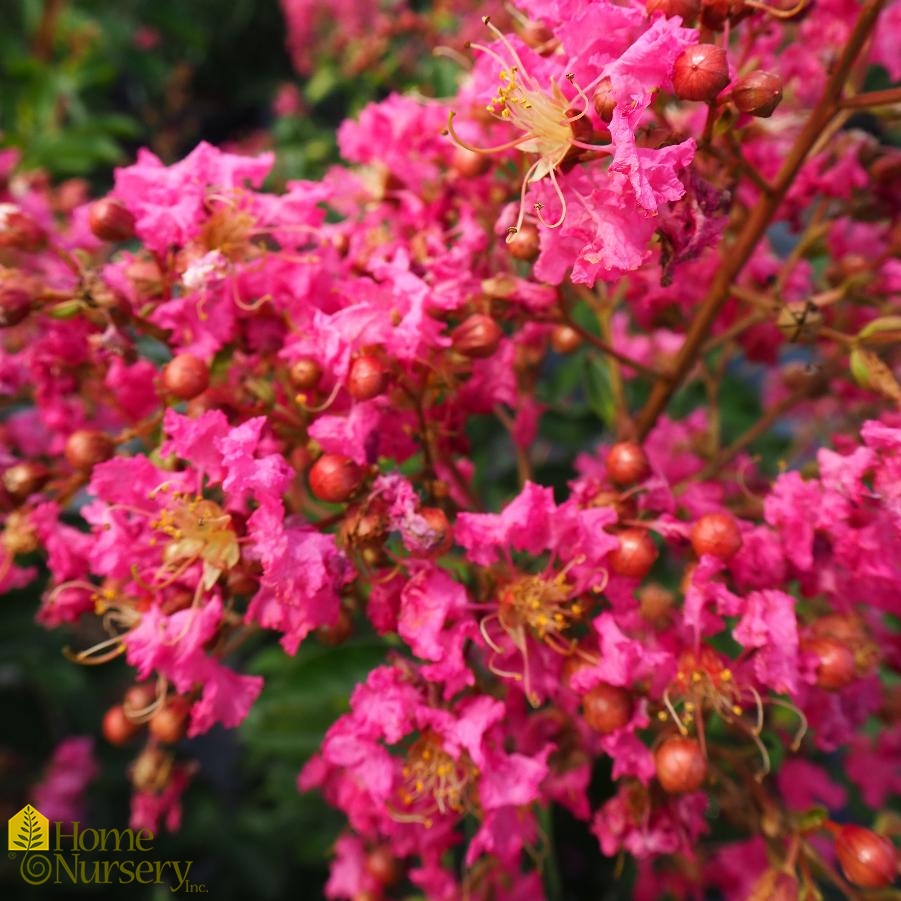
469,164
305,374
604,102
867,859
607,708
476,337
138,699
381,864
368,377
109,220
627,464
687,9
681,766
170,722
24,479
18,231
339,632
86,448
635,555
334,478
835,668
151,770
758,93
700,72
117,728
716,534
186,376
565,339
524,244
15,305
441,537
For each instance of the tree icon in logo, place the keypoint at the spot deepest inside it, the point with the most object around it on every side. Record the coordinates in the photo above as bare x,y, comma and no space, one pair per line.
29,830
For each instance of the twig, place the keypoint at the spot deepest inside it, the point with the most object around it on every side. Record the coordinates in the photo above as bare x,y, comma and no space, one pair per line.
758,221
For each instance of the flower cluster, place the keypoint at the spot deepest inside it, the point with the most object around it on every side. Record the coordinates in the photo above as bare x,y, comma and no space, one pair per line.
231,413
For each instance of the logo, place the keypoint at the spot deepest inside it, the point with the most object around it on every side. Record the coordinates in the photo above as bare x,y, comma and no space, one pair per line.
29,830
79,856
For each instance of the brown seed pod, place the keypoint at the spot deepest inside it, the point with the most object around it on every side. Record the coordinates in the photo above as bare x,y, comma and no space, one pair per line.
607,708
681,765
635,555
700,72
477,336
186,376
867,859
627,464
109,220
758,93
716,534
334,478
339,632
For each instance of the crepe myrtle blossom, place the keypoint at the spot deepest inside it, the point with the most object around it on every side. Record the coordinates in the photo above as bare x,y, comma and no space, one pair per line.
533,612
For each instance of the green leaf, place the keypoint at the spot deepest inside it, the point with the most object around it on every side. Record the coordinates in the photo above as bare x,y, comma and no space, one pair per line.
598,389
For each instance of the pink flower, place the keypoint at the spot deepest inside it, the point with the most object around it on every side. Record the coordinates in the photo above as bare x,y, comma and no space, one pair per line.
769,624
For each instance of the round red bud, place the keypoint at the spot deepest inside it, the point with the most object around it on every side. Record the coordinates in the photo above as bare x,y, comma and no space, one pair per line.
18,231
635,555
867,859
604,102
565,339
86,448
701,72
117,728
109,220
681,765
477,336
139,698
607,708
835,662
655,602
15,305
716,534
23,479
305,374
470,164
525,243
627,464
170,722
687,9
368,377
381,864
186,376
334,478
758,93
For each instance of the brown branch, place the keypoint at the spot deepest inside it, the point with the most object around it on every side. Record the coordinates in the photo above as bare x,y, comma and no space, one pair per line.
606,348
755,226
872,98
